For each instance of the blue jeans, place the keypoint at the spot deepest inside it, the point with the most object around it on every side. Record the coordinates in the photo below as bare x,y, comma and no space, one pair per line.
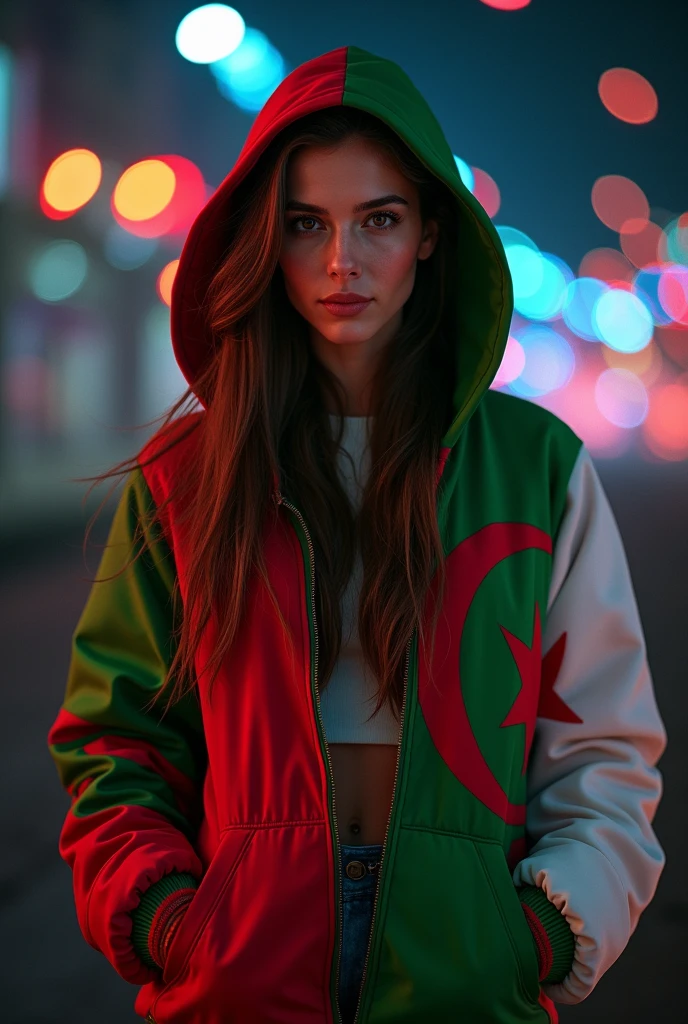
358,896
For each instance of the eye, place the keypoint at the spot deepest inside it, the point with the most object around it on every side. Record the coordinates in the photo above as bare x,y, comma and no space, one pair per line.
394,217
304,220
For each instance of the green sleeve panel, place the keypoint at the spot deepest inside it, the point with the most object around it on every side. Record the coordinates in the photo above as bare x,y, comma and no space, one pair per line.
134,772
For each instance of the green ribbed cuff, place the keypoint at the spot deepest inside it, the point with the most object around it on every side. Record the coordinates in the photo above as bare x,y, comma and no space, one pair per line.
143,914
561,938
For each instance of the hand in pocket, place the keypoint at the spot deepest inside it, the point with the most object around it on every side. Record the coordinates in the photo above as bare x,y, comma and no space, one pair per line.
171,929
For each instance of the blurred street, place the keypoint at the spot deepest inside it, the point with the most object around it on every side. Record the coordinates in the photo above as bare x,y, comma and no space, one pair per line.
50,975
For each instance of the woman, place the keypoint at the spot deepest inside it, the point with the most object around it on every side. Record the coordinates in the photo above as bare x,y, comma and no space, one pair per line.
352,517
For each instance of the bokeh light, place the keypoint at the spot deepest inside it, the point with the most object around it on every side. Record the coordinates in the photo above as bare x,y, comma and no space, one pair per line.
579,302
665,430
58,270
465,172
622,320
621,397
209,33
251,73
672,292
628,95
126,251
673,341
673,245
72,179
607,265
512,236
506,5
513,361
640,241
486,192
165,280
144,190
547,300
646,287
525,265
159,196
616,199
549,361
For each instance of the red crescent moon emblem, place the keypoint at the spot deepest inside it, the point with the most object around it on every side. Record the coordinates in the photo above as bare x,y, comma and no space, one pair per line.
445,712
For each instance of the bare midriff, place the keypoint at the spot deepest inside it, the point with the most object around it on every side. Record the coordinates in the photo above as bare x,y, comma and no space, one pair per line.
363,787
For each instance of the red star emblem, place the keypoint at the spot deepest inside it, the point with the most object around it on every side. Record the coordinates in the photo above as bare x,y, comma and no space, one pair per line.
528,662
551,705
536,698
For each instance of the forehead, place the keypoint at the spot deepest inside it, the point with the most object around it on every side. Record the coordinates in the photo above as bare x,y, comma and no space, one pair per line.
352,165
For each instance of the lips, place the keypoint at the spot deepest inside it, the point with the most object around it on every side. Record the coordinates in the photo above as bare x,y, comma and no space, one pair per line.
346,308
341,297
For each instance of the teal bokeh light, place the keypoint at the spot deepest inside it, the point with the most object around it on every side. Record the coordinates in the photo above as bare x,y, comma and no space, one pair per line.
622,320
250,74
58,270
465,173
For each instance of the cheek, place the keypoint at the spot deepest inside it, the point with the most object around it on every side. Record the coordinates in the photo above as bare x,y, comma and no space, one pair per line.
295,272
397,267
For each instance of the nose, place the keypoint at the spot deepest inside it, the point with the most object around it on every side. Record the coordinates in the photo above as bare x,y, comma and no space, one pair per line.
342,257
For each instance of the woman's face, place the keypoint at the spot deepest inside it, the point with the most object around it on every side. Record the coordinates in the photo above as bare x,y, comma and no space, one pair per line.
330,246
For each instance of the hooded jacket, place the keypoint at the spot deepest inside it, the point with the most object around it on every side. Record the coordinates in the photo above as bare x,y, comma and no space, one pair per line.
526,779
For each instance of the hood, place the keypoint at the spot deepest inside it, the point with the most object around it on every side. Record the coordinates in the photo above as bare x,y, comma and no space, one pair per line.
349,76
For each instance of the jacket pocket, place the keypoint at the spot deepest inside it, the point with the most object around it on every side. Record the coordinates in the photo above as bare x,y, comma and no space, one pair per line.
516,926
217,878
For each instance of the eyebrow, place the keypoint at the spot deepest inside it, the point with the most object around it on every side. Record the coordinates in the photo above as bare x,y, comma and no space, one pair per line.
295,204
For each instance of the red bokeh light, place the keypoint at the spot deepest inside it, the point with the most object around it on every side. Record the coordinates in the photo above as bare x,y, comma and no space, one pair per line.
506,5
640,241
628,95
486,191
607,265
616,200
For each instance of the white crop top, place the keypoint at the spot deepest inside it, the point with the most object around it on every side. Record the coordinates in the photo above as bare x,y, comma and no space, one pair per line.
349,697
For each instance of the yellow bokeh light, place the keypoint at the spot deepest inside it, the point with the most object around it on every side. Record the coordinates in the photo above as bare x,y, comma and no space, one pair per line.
72,179
165,279
144,190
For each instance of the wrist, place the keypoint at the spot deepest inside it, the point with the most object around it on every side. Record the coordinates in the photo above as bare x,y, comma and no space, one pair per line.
165,923
554,940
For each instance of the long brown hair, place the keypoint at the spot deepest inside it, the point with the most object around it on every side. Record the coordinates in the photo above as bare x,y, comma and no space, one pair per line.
264,390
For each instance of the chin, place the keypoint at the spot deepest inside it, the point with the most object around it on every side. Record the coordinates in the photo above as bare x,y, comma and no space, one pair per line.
346,335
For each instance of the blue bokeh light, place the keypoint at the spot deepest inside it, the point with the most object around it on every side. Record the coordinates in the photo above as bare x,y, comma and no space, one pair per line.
646,287
579,302
549,361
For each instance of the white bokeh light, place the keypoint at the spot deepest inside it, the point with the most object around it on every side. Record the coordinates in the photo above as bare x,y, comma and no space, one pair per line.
209,33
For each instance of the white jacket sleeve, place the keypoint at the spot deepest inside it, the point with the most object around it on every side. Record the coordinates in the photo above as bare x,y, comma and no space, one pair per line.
593,787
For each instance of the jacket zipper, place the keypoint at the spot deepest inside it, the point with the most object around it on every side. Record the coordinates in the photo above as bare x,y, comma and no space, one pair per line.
280,500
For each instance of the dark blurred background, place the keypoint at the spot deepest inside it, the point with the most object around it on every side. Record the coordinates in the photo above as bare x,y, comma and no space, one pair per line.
568,121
